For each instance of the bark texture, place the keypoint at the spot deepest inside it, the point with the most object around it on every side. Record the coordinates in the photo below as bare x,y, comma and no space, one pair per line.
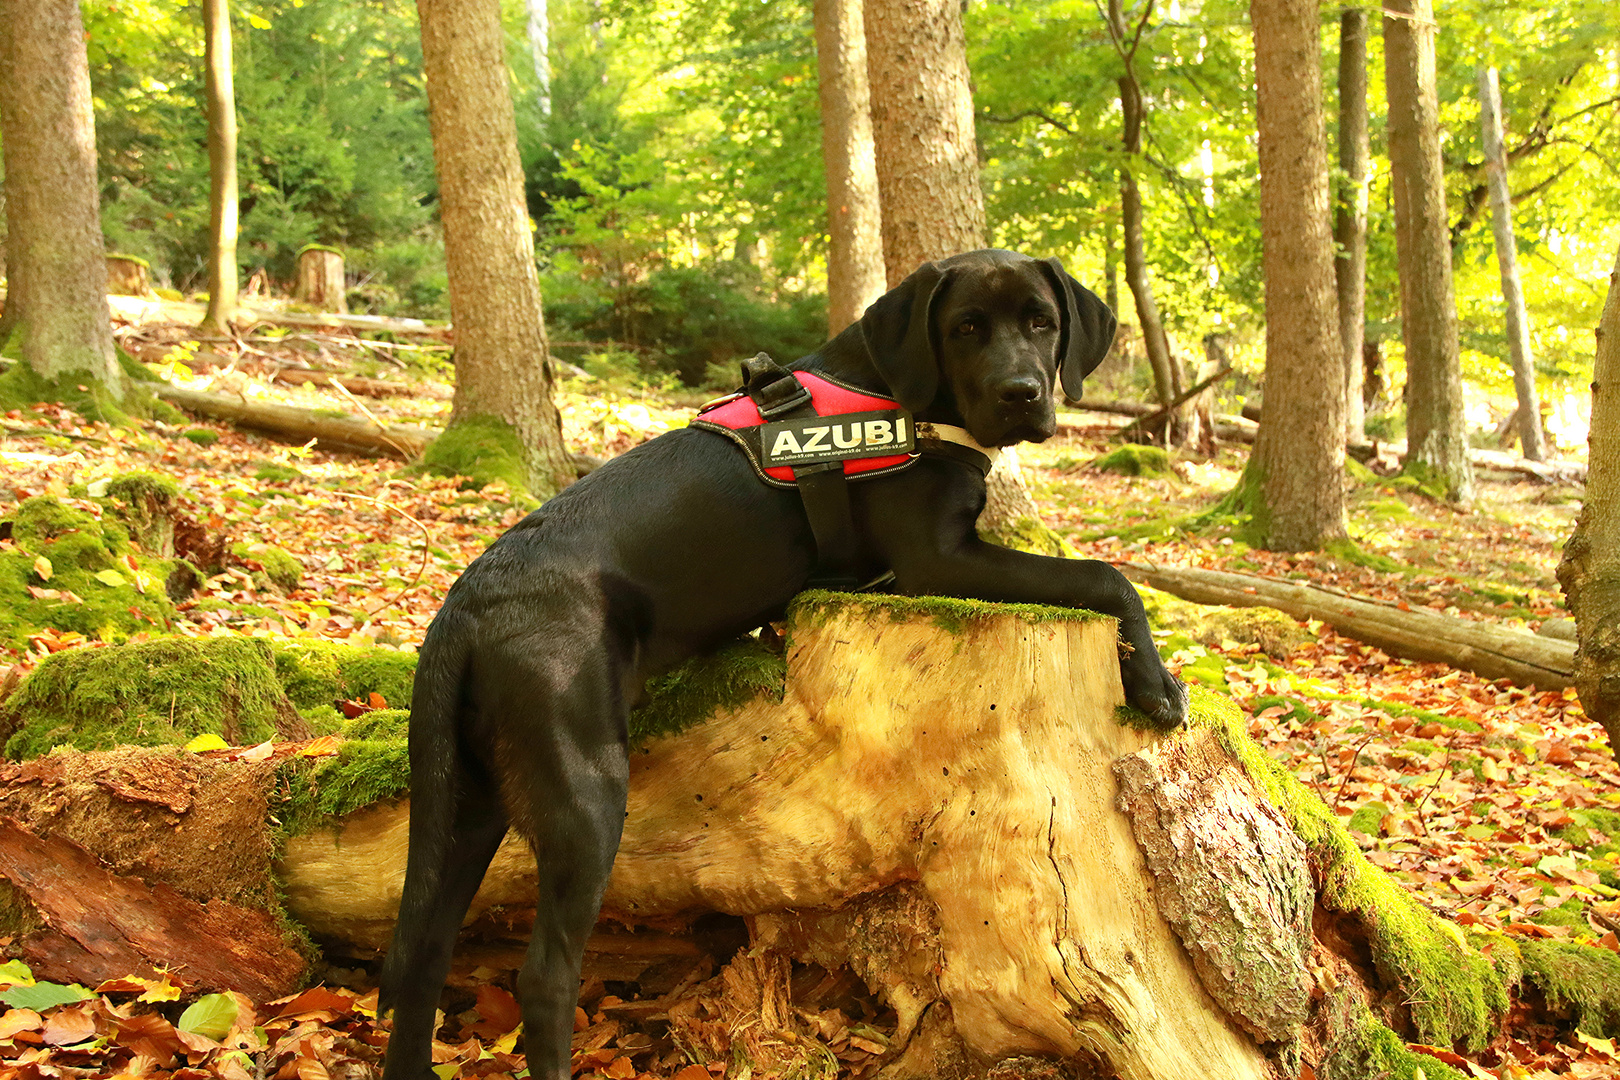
1298,463
503,368
855,272
54,251
1531,439
988,762
922,121
1437,443
1166,375
320,280
222,196
1350,218
1590,571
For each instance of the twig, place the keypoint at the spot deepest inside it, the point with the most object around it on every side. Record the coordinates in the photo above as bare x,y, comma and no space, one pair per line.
427,542
1421,819
1156,417
1353,759
28,431
381,427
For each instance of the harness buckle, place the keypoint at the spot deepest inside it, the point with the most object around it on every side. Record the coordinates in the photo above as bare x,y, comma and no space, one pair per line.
774,389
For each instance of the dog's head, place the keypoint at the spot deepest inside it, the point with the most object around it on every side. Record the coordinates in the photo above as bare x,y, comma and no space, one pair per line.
987,335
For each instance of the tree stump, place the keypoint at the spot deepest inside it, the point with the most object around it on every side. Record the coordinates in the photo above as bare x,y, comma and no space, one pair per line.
320,279
129,275
934,808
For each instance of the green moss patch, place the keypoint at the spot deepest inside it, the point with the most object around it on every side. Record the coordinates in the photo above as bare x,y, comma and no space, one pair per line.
1370,1049
278,567
275,473
201,436
950,614
363,772
1448,992
320,674
144,503
483,450
1031,535
705,685
21,387
1276,634
1577,980
68,571
1134,459
154,693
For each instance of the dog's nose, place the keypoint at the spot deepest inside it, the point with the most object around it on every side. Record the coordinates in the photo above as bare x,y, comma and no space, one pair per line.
1019,391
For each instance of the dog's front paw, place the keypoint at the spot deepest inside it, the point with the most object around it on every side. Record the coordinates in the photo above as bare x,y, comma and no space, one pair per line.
1160,695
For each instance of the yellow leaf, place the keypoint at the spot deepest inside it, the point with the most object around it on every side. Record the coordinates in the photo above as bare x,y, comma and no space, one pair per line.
258,23
42,567
209,741
506,1043
160,990
111,578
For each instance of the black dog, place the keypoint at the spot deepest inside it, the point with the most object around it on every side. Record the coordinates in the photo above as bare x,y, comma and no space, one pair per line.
528,673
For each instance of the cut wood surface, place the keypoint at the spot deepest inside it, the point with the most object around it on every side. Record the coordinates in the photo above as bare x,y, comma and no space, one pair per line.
1489,651
300,425
98,925
933,809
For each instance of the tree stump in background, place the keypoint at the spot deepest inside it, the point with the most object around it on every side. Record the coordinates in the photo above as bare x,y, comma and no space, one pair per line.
320,279
129,275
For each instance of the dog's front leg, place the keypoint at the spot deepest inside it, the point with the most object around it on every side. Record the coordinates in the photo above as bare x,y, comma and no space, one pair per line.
983,571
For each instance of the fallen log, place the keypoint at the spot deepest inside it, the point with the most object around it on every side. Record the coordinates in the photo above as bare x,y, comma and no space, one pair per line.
1489,651
301,425
356,384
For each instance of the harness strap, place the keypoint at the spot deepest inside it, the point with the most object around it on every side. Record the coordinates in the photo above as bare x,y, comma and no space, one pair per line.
822,487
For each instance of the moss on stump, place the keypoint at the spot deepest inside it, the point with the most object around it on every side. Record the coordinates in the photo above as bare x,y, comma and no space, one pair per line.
318,675
1134,459
483,450
154,693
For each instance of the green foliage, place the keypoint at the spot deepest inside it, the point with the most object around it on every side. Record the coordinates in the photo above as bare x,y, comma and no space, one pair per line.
92,588
155,693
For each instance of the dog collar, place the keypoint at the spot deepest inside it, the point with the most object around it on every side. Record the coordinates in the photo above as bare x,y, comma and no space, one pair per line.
958,436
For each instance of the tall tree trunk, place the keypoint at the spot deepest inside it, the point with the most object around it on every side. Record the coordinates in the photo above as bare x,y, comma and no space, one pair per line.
1350,220
1437,444
222,198
1166,373
540,48
1297,469
928,181
503,368
1507,258
922,121
1590,571
55,258
855,272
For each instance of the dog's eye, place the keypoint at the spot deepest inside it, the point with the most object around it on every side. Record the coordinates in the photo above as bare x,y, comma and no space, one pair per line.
967,328
1040,322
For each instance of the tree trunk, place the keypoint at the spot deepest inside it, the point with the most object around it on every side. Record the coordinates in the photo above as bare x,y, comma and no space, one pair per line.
1350,220
539,27
320,280
55,257
1297,469
503,367
1507,258
1166,376
855,273
222,196
922,124
1590,571
1437,443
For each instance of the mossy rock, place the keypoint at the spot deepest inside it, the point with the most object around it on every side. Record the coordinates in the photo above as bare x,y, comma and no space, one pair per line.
318,675
276,564
1135,459
154,693
92,589
1276,634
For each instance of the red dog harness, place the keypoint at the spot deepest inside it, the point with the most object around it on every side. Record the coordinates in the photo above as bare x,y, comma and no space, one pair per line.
803,430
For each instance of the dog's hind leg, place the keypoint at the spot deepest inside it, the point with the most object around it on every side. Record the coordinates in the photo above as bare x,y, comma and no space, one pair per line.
419,958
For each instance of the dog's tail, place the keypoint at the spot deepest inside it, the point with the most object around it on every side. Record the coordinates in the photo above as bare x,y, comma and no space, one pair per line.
436,774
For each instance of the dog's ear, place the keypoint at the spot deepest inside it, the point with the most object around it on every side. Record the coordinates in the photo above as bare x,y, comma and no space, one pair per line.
898,331
1088,328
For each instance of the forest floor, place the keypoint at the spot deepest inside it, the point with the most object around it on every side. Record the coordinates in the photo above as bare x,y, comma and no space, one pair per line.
1497,805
